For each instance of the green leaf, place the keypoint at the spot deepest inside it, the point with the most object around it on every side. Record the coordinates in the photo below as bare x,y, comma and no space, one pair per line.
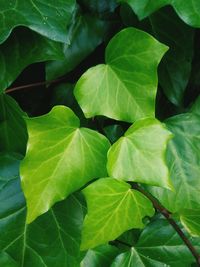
113,132
60,159
86,33
183,160
196,106
21,49
13,134
108,201
52,239
159,245
190,219
7,261
99,7
100,256
188,11
129,75
137,157
49,19
175,68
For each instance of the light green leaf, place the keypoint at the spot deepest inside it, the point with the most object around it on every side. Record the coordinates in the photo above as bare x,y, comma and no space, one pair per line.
175,68
188,11
101,256
113,208
21,49
60,159
86,33
183,159
13,134
125,87
47,18
196,106
52,239
159,245
190,219
139,155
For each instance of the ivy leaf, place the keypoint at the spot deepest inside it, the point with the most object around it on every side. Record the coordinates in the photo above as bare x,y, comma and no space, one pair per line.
132,57
183,160
187,11
175,68
51,239
99,7
13,135
108,201
60,159
6,260
21,49
100,256
196,106
190,219
49,19
159,245
137,157
85,28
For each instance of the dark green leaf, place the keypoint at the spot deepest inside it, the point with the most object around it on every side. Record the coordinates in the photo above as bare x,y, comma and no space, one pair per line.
86,34
21,49
13,135
60,159
125,87
101,256
159,245
51,240
175,68
188,11
47,18
183,160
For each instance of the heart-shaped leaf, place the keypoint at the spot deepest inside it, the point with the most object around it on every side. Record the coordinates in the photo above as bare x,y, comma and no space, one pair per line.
113,208
60,159
137,157
125,87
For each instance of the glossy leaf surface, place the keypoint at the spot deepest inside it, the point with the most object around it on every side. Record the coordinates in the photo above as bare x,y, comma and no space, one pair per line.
188,11
158,246
183,160
84,28
136,157
13,135
57,233
129,75
21,49
69,158
113,208
191,221
47,18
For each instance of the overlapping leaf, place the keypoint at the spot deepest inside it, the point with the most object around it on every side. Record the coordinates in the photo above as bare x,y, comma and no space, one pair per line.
113,208
60,159
175,68
100,256
158,246
47,18
191,221
137,157
51,240
125,87
13,135
84,28
21,49
188,11
183,160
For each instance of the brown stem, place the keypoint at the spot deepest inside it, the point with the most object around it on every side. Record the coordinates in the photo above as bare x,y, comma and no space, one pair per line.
167,215
33,85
